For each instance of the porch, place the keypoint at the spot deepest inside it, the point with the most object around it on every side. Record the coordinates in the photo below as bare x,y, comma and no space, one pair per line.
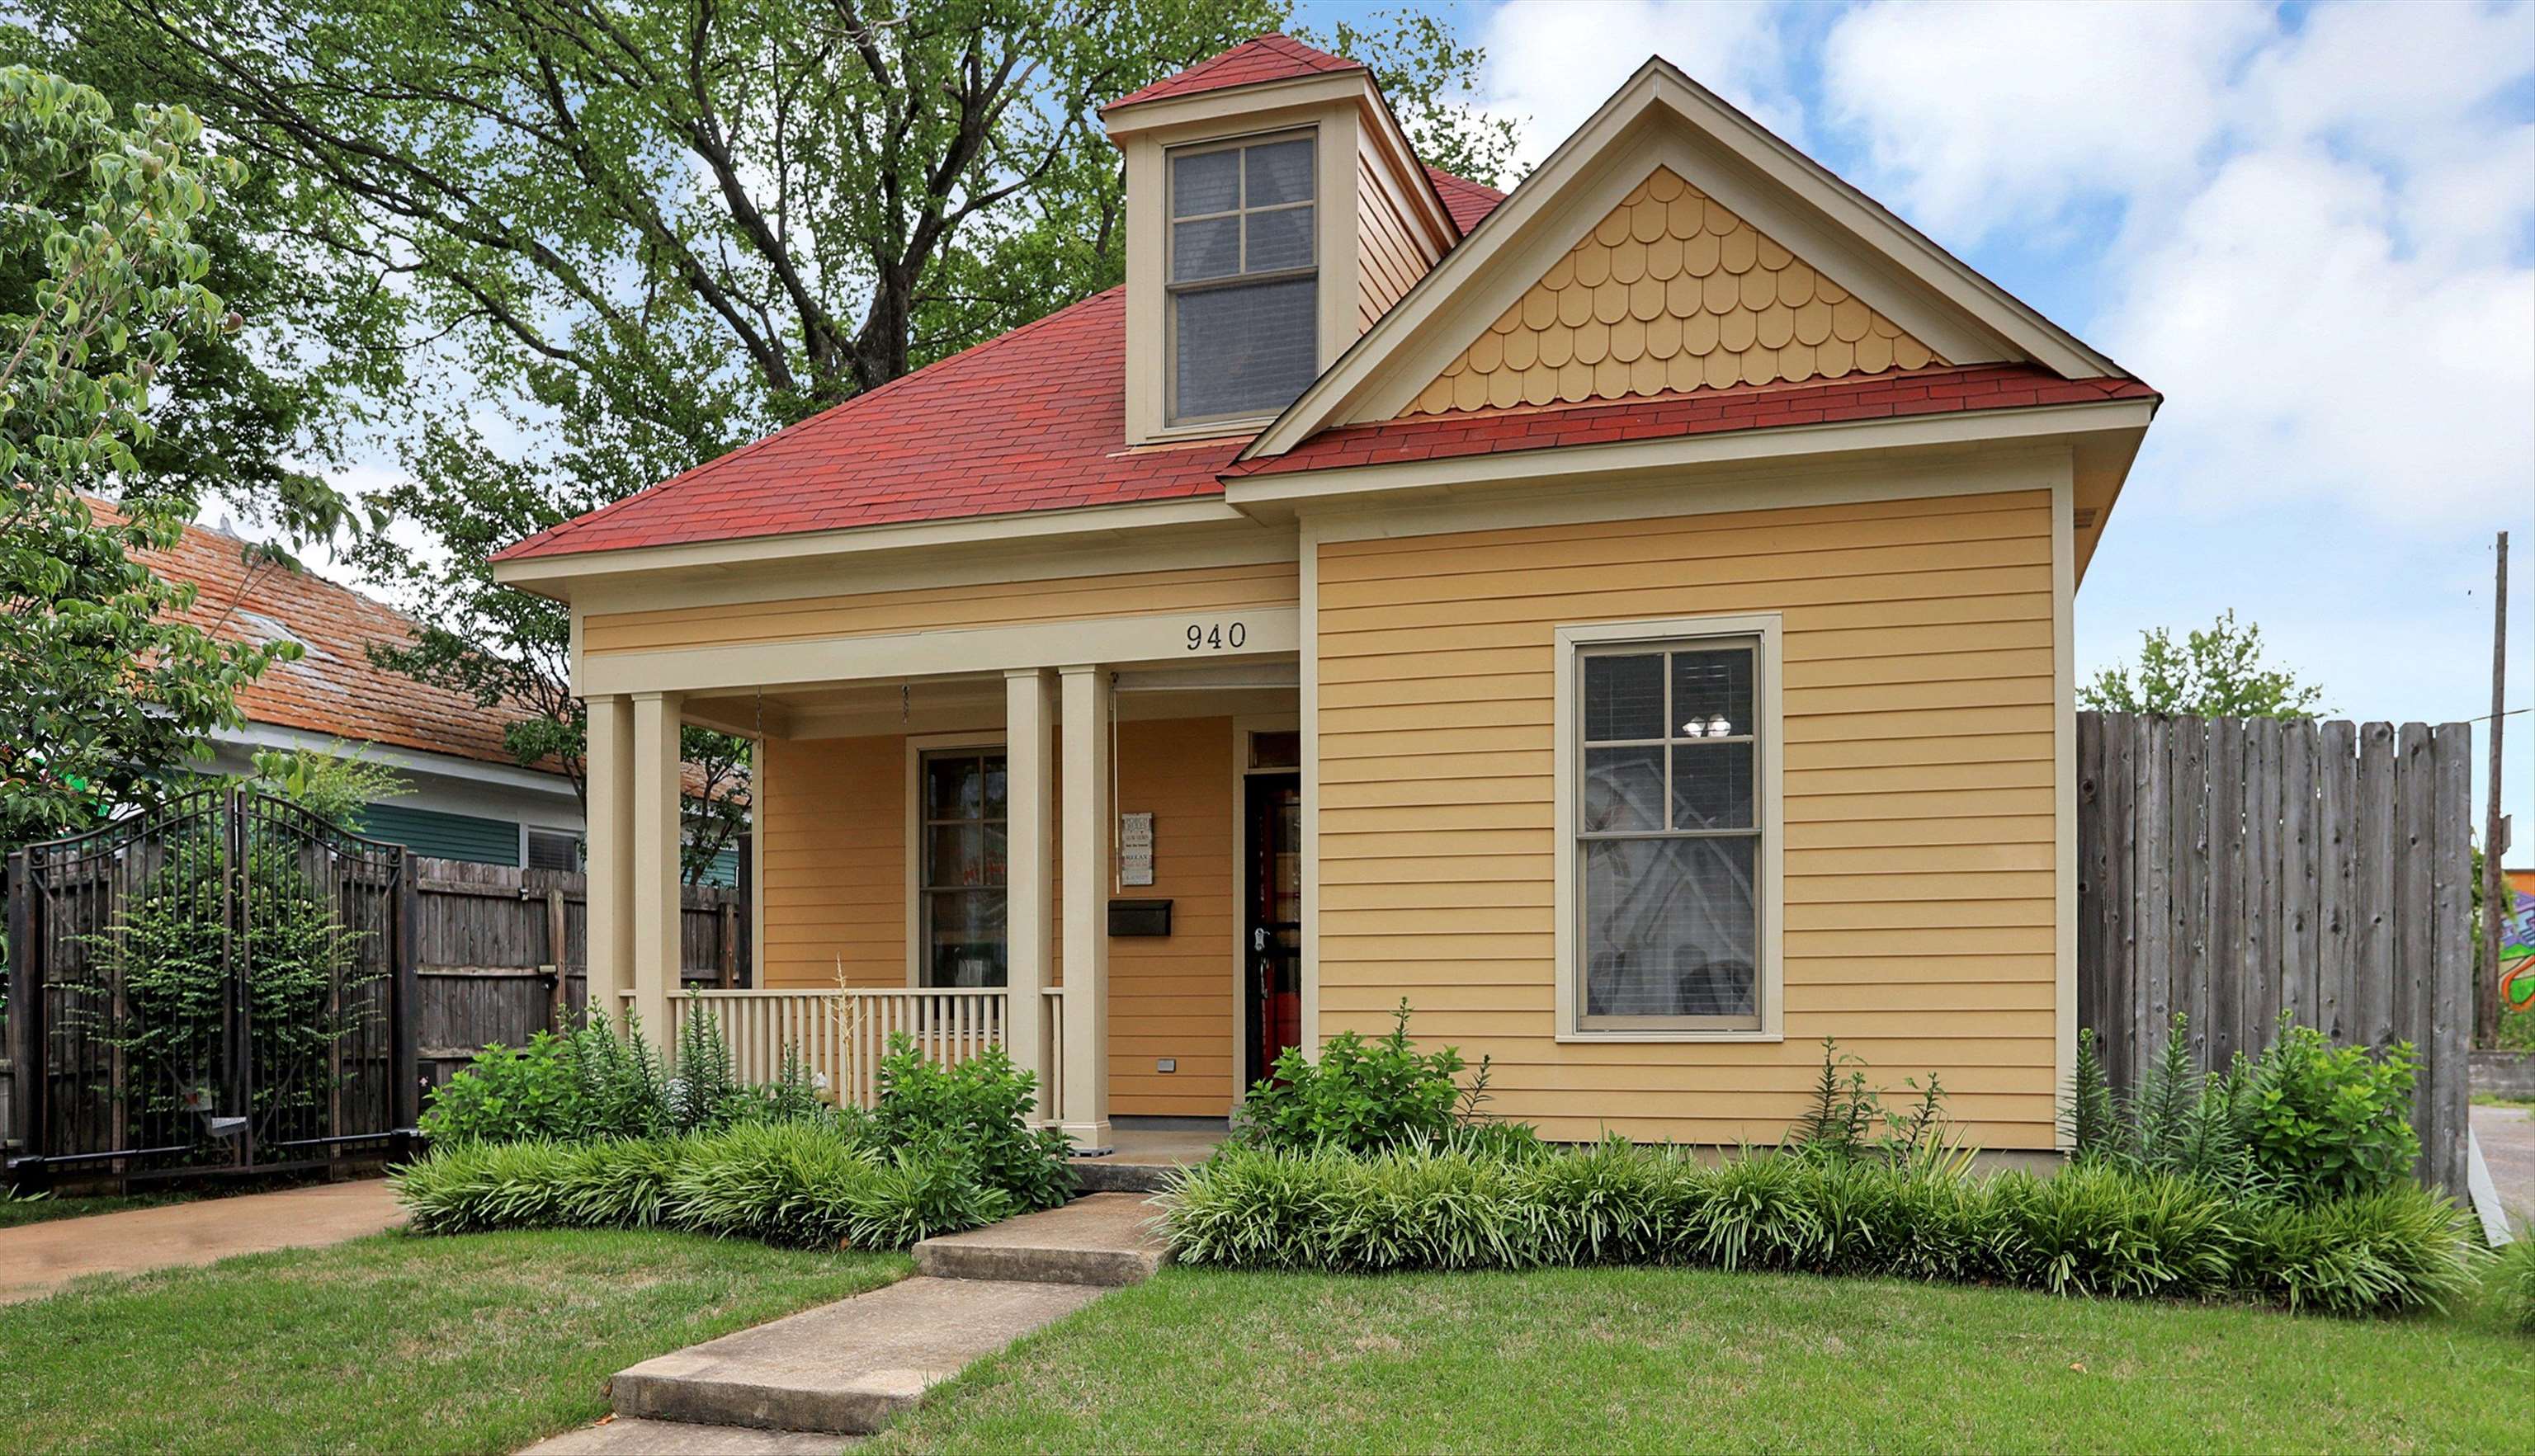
914,844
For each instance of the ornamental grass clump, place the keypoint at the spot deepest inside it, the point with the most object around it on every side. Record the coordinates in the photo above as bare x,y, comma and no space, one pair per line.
2100,1231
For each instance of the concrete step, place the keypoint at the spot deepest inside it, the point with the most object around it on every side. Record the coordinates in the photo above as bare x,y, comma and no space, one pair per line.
1099,1240
622,1437
845,1368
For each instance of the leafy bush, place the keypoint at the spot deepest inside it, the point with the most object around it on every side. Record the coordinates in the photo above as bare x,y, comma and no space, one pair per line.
1848,1118
799,1183
2306,1121
506,1093
976,1110
1361,1095
2094,1230
2332,1120
598,1083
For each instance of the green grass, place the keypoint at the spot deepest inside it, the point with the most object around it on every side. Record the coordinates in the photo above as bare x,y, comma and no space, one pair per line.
1662,1359
391,1344
15,1212
2494,1099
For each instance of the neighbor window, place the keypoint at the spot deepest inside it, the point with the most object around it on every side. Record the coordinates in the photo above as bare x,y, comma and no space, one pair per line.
1244,280
554,849
962,880
1668,825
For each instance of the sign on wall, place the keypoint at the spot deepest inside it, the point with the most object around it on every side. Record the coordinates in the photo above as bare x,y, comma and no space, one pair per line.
1135,849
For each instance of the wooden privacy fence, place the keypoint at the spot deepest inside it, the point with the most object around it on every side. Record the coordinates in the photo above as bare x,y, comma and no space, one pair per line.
486,967
2235,870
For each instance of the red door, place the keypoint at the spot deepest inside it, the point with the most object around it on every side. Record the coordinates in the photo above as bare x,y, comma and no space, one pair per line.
1273,932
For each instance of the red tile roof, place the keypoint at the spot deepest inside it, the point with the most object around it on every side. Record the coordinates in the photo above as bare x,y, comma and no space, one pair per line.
1251,63
1890,395
1466,200
334,689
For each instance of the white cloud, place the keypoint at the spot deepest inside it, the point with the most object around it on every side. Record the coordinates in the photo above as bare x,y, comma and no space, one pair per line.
1978,117
1553,63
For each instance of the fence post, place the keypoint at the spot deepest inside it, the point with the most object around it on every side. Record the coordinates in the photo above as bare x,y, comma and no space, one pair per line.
26,1014
727,939
408,1065
559,995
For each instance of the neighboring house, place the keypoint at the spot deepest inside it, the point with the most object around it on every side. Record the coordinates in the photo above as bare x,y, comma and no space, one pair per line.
1629,620
469,799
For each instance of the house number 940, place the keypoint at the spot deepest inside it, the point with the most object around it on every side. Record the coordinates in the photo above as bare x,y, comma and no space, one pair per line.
1216,637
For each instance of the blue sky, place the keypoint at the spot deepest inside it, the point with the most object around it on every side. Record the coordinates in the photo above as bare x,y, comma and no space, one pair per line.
2312,226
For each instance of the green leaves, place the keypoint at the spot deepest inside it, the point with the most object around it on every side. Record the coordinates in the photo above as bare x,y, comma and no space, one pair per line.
1359,1096
2215,674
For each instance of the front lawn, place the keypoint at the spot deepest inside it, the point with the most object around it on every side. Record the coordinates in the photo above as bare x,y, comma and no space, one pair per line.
1664,1359
396,1343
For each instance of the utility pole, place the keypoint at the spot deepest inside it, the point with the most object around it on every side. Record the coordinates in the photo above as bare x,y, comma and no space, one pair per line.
2486,1009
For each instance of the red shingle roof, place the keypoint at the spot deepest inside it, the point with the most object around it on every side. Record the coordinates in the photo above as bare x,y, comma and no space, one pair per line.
1890,396
1466,200
1251,63
1032,420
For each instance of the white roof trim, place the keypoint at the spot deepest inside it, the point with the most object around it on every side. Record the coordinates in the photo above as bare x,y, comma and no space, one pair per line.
1660,93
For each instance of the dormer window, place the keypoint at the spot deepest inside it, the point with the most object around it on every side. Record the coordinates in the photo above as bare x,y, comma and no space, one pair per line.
1243,277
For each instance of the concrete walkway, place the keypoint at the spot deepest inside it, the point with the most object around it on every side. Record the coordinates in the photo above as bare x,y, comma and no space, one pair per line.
2507,1138
38,1258
850,1368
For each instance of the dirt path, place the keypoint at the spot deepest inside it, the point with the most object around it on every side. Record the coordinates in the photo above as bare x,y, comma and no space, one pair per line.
38,1258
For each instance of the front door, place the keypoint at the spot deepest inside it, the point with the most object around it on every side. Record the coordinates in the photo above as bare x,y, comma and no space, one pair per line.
1273,920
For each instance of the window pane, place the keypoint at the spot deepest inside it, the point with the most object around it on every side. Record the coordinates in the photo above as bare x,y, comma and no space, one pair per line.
1209,249
1280,239
954,786
1624,789
1624,698
1206,182
954,855
1280,172
967,930
1246,349
1670,927
998,789
1711,786
1712,693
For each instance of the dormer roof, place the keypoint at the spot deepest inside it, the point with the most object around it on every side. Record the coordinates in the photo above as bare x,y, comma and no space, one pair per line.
1254,62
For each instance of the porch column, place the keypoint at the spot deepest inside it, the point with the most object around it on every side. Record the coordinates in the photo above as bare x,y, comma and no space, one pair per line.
1086,907
1029,721
654,879
607,769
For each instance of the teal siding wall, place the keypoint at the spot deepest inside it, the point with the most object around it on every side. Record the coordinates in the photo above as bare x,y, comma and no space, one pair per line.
724,869
448,836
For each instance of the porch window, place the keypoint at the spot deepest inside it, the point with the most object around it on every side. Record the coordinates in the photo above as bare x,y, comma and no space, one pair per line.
1244,278
962,877
1669,833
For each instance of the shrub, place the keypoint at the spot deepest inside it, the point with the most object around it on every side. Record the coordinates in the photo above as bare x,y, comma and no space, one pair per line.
2095,1230
2330,1121
2512,1280
976,1110
799,1183
2303,1121
1360,1096
509,1093
1848,1118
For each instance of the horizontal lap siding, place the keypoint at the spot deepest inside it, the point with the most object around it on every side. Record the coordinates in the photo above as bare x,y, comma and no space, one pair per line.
832,825
945,608
1920,869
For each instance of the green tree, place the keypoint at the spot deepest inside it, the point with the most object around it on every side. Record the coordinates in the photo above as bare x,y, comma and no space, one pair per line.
103,685
644,234
2218,673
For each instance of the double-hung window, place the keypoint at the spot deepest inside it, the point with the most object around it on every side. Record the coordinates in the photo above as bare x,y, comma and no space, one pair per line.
1244,278
1670,864
960,874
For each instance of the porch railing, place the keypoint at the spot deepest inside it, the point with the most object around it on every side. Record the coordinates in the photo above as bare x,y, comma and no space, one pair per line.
842,1034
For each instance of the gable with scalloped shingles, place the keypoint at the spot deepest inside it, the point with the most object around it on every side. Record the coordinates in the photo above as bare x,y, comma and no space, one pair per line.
1670,292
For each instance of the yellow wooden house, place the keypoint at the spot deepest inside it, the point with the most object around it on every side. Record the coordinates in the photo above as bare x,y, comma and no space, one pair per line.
1628,618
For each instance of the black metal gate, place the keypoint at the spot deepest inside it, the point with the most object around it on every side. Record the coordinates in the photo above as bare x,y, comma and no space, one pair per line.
219,985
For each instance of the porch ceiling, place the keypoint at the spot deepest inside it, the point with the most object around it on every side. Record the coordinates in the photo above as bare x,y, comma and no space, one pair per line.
943,703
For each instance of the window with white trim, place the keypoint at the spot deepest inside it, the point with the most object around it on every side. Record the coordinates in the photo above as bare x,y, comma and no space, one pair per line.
1669,831
554,849
1242,278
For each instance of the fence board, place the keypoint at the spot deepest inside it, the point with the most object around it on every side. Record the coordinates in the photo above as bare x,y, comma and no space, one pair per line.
2237,872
